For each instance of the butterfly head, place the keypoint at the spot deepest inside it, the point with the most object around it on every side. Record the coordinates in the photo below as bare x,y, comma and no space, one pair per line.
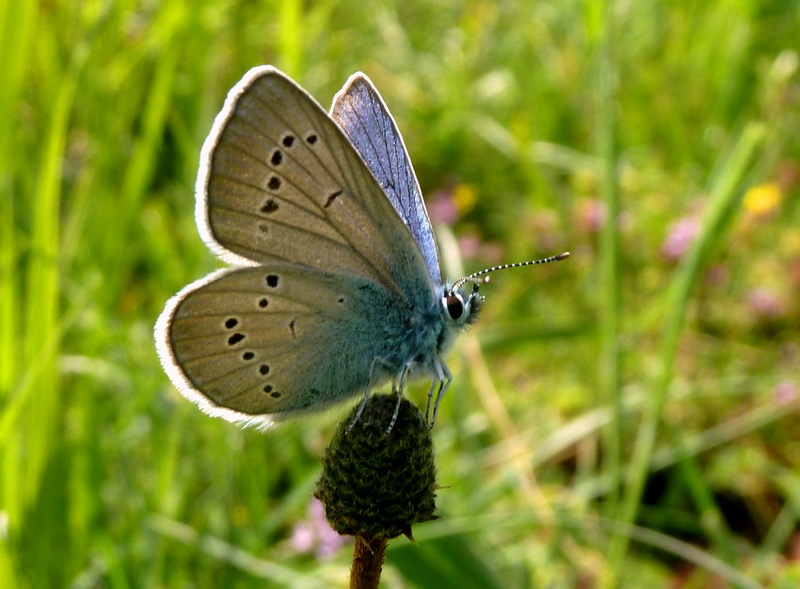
462,305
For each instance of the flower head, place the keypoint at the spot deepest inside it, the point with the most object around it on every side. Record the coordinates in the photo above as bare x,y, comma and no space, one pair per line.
765,304
680,237
376,484
316,534
763,200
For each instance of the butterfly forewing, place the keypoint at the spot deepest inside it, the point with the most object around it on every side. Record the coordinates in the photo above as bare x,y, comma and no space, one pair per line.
360,111
282,183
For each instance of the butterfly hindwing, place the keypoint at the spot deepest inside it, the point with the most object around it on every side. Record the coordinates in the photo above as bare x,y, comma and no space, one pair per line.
260,343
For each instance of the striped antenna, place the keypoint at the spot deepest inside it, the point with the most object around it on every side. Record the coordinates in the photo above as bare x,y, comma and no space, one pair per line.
473,277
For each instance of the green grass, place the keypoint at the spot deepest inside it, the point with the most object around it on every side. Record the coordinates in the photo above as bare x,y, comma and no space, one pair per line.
623,419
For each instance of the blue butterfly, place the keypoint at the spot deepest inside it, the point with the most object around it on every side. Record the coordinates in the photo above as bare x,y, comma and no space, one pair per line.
336,286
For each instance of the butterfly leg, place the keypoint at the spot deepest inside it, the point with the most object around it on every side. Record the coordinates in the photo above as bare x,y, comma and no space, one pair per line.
360,410
376,363
398,391
430,398
445,378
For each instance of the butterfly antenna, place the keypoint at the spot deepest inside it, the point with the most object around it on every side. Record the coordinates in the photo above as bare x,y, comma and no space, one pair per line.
474,277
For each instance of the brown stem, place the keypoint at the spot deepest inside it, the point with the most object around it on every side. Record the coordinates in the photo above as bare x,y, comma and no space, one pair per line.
368,557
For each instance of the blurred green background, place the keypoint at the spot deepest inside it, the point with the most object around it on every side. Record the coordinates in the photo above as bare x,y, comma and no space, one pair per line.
628,418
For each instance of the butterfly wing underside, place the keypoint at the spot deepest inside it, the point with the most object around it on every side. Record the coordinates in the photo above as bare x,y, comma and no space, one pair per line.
282,193
280,182
361,112
270,341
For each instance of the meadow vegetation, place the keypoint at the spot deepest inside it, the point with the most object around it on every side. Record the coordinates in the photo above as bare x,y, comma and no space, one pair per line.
627,418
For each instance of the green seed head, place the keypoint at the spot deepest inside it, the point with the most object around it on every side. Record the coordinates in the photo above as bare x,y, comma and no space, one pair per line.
374,484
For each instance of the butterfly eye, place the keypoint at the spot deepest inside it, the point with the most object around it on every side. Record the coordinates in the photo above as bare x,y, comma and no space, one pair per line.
454,304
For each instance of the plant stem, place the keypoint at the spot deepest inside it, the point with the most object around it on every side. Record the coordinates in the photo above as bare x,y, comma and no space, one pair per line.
368,557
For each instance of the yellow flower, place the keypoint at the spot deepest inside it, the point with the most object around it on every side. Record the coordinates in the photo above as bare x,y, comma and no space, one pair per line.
465,196
763,199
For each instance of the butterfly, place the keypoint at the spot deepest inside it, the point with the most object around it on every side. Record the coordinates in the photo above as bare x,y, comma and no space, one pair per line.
336,286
